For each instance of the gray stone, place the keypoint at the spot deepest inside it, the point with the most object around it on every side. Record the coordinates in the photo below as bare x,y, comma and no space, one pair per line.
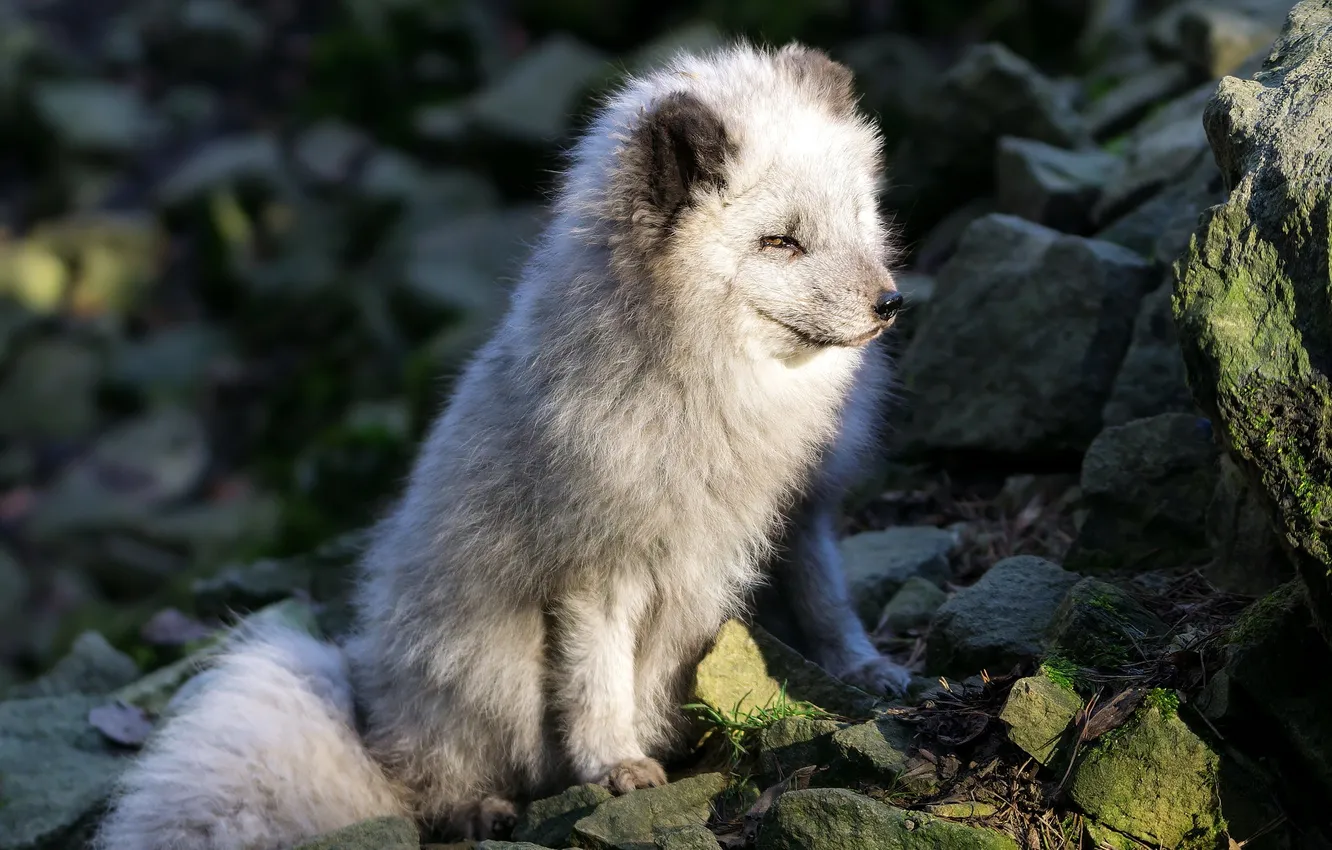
1100,625
874,752
990,92
693,837
533,101
791,743
92,667
1133,97
1036,715
839,819
550,821
1156,152
386,833
1251,293
172,362
1147,485
1152,379
877,564
14,587
1051,186
1217,40
628,822
94,117
1022,342
457,265
57,772
897,76
1249,559
913,606
1000,621
1160,227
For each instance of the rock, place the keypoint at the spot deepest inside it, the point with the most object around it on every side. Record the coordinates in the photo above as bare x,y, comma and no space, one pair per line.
898,79
1151,380
1169,143
386,833
1051,186
1134,96
877,564
628,822
248,587
790,743
1063,325
1147,485
1217,40
1100,625
550,821
92,667
131,471
485,845
1251,291
14,587
171,363
1249,559
839,819
918,290
1160,228
1155,780
1268,697
1037,713
693,837
49,391
211,34
989,93
875,753
746,669
93,117
229,163
533,101
999,621
912,607
57,772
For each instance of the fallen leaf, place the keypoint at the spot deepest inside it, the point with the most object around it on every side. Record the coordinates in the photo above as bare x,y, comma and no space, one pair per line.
124,724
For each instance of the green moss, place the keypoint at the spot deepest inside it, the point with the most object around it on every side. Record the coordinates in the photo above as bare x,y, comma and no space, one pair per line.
1163,700
1264,614
1062,672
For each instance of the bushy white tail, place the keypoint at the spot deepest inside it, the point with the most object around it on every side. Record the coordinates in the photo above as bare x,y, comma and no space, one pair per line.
264,755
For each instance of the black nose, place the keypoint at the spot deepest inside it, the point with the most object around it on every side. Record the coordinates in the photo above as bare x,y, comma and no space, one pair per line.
887,305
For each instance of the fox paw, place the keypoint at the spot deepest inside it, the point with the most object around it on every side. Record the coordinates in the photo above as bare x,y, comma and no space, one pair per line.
493,817
632,774
878,676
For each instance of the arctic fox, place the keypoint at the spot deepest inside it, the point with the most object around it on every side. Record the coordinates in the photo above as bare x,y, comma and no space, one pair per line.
684,384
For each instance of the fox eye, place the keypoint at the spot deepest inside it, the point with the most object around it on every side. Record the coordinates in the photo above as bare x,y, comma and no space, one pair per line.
787,242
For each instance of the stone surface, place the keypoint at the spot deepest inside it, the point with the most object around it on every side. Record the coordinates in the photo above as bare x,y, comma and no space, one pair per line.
746,669
233,162
48,390
1100,625
1037,713
1134,96
988,93
1248,558
94,117
873,752
1151,380
1217,40
877,564
533,101
1155,781
1051,186
1252,290
1147,485
387,833
838,819
629,821
56,770
1059,309
693,837
1160,227
912,607
999,621
550,821
92,667
791,743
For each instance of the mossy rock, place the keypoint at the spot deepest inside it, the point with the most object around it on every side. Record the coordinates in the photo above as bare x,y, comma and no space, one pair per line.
839,819
550,821
1100,625
1037,713
1251,293
1152,779
386,833
791,743
629,822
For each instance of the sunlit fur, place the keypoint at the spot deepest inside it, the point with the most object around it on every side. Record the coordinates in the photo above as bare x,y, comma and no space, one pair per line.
667,409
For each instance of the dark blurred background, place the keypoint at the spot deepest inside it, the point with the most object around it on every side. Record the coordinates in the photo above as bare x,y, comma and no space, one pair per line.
245,243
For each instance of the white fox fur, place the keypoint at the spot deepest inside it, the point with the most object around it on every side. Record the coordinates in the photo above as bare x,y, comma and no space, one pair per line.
682,388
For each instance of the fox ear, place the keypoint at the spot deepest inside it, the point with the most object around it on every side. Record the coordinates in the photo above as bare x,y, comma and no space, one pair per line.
833,82
686,146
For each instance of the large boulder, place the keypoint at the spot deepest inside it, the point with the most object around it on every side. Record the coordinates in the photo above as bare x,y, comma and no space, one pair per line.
1023,339
839,819
1151,380
1251,296
628,822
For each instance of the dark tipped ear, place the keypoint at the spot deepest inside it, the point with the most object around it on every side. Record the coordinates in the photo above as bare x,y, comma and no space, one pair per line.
687,147
832,82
